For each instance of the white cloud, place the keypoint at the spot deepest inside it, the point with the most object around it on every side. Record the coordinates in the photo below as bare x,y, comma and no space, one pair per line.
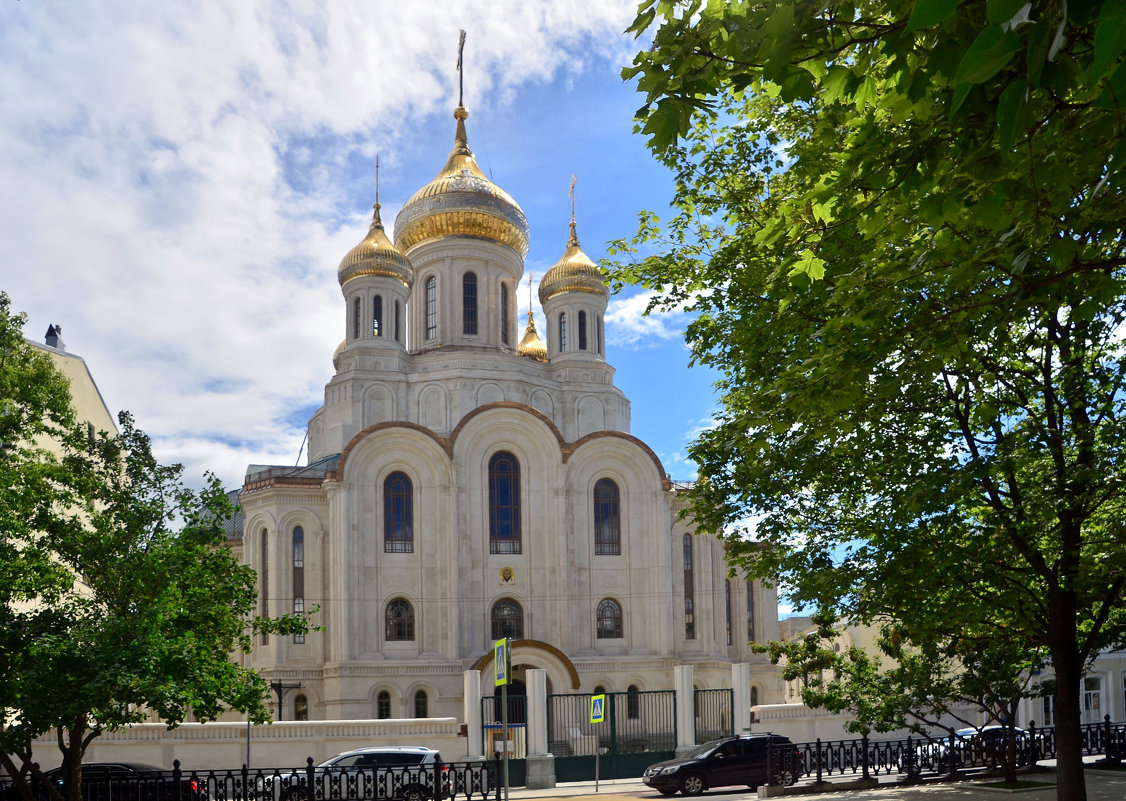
173,179
628,326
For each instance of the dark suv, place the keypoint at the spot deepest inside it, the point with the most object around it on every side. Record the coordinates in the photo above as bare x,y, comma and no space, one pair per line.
731,760
129,781
404,772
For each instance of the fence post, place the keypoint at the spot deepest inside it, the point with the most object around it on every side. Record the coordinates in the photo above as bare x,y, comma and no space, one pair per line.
245,782
864,758
1033,745
770,760
438,779
951,754
497,772
177,774
310,791
909,759
1106,736
819,760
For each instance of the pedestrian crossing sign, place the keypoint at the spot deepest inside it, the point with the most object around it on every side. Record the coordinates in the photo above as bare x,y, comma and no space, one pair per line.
500,662
597,708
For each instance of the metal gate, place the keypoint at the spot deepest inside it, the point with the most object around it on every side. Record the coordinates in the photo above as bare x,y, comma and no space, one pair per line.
640,729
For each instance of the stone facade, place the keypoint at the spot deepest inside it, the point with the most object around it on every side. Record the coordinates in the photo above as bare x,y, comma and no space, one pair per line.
462,486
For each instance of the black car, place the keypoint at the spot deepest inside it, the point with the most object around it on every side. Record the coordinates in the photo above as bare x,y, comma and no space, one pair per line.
403,773
129,781
728,761
973,747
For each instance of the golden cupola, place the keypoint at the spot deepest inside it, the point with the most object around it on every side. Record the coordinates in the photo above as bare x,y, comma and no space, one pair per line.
575,272
461,201
375,256
531,345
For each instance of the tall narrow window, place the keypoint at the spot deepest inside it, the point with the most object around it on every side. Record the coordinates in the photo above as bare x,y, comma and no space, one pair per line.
383,705
727,608
398,326
504,503
601,346
607,527
421,705
399,620
398,514
582,330
301,708
609,620
689,592
504,314
356,319
562,332
264,579
507,620
469,304
750,611
431,307
298,576
377,316
633,702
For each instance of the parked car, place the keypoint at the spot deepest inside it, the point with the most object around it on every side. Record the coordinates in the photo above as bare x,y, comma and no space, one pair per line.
129,781
404,773
728,761
975,748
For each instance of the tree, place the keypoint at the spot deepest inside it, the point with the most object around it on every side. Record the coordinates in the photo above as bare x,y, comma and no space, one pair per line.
900,226
119,594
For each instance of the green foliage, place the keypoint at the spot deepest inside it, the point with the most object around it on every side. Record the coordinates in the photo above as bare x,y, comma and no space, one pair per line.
119,593
900,228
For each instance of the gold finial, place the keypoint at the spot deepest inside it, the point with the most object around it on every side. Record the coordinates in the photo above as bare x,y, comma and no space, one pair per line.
460,85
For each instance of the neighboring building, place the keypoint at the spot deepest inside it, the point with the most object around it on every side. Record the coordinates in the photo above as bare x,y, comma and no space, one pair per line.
85,396
468,481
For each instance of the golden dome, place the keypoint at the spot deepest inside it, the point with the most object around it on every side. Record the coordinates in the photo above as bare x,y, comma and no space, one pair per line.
375,256
575,272
531,345
461,201
336,353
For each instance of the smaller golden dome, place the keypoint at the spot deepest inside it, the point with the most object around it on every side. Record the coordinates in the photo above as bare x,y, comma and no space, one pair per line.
336,353
531,345
575,272
375,256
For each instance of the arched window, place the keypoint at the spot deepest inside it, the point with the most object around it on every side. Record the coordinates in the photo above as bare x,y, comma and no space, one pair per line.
469,304
633,702
754,695
298,576
607,524
562,332
727,607
398,326
504,503
383,705
507,619
264,579
750,611
421,705
399,621
377,316
300,708
431,307
504,314
356,319
398,514
689,591
601,346
609,623
582,330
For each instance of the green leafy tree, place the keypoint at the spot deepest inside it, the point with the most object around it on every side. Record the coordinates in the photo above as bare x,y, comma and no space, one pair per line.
119,594
900,226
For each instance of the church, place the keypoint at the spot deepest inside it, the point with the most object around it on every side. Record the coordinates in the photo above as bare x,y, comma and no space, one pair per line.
468,480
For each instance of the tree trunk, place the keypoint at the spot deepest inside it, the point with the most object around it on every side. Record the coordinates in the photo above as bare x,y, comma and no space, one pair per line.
1068,667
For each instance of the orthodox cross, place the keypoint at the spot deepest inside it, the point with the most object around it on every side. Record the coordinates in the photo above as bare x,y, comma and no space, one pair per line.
460,48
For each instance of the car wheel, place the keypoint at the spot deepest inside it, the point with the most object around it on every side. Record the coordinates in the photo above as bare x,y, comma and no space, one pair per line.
414,793
786,777
692,784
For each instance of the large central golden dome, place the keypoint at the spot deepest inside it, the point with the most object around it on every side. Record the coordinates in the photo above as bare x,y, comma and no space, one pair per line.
461,201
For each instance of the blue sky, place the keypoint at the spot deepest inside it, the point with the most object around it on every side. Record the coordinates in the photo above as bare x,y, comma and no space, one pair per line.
180,183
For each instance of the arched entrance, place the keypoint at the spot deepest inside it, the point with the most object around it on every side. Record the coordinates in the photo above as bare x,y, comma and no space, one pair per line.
517,702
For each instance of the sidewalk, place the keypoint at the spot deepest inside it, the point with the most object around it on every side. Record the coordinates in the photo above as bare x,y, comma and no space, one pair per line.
1101,786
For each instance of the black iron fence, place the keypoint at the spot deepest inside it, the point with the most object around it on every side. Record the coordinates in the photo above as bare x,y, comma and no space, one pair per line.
917,756
438,781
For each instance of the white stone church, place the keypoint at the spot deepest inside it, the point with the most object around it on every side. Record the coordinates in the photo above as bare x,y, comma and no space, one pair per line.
468,480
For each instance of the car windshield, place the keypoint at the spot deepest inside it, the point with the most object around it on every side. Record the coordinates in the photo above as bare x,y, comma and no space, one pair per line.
703,750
